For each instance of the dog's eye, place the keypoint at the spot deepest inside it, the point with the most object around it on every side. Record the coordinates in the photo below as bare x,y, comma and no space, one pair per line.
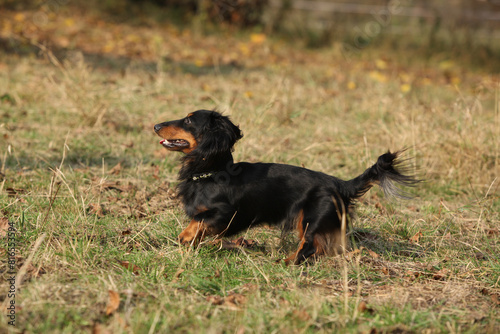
187,120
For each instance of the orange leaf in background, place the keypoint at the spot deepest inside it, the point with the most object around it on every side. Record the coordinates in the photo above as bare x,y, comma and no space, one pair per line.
19,17
257,38
446,64
405,88
380,64
378,76
113,302
244,49
69,22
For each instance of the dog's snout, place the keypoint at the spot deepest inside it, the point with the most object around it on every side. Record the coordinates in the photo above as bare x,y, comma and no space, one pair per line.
158,127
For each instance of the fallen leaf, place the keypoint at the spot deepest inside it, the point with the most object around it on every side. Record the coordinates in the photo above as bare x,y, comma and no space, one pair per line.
363,307
351,255
416,237
126,232
480,256
116,169
381,64
104,185
373,254
492,232
178,274
380,208
156,172
247,243
96,209
130,267
378,76
240,242
19,17
257,38
301,315
113,302
215,300
441,274
235,300
412,275
4,226
11,192
405,88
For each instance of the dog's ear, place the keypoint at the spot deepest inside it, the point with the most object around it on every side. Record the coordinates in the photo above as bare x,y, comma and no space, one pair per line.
219,135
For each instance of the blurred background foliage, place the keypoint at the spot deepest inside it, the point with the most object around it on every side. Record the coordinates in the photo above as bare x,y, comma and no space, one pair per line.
461,29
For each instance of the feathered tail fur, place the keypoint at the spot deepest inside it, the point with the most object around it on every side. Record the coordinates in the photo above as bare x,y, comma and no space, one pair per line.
390,172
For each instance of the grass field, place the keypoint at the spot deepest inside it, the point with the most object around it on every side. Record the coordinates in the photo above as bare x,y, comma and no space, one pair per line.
91,193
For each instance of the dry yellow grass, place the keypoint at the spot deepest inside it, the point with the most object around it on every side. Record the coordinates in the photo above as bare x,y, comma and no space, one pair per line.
70,116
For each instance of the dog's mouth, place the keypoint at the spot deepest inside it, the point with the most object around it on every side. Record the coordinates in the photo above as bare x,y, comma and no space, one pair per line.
174,143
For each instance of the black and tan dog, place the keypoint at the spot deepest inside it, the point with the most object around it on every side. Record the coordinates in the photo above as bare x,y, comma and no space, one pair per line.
223,198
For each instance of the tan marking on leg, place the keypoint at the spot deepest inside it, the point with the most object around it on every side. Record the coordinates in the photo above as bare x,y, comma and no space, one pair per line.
293,256
193,233
300,229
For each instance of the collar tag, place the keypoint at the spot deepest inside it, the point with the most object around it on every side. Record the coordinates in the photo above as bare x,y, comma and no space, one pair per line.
202,176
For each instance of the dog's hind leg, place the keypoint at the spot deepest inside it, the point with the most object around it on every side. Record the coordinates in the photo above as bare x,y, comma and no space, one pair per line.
319,229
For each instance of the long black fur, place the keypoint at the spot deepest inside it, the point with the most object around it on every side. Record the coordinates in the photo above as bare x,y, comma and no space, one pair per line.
230,197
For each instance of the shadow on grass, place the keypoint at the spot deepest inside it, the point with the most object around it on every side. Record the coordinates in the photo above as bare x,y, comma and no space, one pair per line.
373,241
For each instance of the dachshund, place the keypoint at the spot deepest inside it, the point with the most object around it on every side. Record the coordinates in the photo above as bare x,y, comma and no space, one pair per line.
223,198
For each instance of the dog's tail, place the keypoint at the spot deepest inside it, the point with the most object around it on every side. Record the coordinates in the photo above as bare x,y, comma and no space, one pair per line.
390,172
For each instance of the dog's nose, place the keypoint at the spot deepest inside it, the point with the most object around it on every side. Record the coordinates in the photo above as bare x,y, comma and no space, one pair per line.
158,127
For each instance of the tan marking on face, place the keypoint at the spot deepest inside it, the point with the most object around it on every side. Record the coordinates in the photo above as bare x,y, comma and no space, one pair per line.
174,132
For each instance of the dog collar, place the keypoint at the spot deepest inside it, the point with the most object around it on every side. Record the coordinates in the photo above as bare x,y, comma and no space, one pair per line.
198,177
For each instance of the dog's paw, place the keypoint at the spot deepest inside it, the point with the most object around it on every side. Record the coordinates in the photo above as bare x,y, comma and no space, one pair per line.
192,234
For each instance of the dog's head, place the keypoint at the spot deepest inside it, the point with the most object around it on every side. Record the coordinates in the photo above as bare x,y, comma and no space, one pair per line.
204,131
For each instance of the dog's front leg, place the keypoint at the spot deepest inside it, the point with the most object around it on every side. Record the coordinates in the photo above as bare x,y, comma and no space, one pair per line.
193,233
